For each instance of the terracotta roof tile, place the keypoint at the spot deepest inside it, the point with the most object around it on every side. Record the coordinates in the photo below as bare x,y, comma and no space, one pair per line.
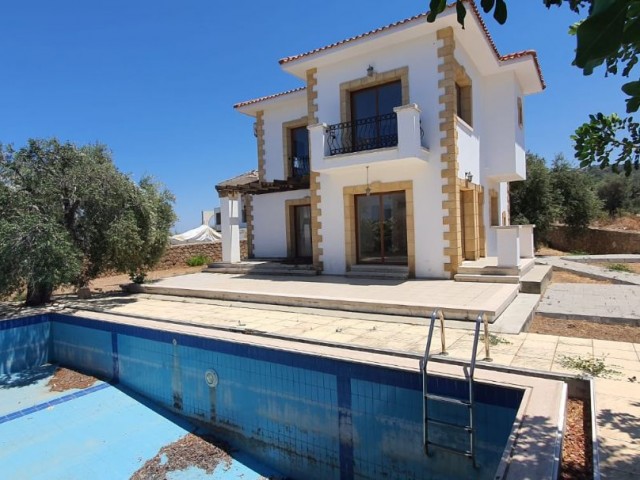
475,10
268,97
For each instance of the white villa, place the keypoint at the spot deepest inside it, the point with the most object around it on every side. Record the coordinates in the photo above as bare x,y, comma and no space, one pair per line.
396,153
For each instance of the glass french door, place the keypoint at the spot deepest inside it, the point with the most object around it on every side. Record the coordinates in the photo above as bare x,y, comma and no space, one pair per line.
373,120
302,232
382,228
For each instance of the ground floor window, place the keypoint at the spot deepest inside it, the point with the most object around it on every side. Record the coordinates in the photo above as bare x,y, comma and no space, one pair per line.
303,249
381,224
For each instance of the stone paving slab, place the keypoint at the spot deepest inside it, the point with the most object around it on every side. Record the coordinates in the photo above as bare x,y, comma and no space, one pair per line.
528,350
411,297
602,303
618,421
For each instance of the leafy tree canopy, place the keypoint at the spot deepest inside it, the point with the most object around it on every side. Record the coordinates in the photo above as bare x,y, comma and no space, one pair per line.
609,36
67,215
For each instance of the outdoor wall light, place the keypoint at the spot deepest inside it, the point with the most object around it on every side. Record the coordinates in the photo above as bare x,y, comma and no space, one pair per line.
468,176
370,71
367,190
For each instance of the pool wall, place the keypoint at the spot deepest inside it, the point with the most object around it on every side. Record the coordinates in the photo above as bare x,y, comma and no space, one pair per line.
307,416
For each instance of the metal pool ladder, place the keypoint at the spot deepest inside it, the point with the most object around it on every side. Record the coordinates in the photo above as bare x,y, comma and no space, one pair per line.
468,403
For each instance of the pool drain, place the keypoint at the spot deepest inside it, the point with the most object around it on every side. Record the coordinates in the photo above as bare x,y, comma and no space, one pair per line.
211,377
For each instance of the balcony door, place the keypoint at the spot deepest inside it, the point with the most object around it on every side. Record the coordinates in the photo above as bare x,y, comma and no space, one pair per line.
374,122
299,152
382,228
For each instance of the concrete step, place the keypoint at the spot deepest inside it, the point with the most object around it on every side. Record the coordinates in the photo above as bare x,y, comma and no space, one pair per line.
261,268
485,278
389,272
536,280
488,270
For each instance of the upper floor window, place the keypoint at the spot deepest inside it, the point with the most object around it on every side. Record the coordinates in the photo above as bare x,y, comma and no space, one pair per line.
463,103
299,149
520,114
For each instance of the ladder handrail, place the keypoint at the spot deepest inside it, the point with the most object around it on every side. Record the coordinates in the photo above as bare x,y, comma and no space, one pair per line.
480,319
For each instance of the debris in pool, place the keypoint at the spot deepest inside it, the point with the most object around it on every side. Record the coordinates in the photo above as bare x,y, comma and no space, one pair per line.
64,379
192,450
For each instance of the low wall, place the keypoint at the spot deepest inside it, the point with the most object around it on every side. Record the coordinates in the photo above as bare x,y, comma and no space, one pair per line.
177,255
594,241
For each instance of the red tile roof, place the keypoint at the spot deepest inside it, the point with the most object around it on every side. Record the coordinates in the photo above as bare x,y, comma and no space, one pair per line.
268,97
474,8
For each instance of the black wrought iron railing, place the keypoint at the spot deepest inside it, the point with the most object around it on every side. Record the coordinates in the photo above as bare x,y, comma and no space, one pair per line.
299,166
363,134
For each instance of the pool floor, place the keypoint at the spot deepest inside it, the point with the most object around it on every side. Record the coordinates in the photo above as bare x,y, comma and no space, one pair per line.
101,432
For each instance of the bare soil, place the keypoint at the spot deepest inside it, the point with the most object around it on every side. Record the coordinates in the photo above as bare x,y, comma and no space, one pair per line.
629,223
112,283
549,252
64,379
634,267
559,276
190,451
577,461
584,329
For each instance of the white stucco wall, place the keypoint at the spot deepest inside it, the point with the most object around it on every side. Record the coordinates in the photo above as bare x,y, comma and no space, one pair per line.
269,229
283,111
420,55
427,201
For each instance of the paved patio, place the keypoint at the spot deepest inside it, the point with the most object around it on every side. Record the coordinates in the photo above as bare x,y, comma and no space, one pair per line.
410,297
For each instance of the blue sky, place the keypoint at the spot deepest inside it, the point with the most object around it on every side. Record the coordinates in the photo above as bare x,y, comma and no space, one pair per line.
156,80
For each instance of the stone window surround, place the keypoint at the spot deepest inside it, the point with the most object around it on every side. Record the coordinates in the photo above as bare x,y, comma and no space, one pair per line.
350,240
288,218
286,142
374,80
464,96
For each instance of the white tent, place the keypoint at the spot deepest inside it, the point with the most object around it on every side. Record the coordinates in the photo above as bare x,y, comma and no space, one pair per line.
201,234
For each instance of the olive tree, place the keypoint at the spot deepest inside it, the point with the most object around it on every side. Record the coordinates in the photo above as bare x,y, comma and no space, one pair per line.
67,215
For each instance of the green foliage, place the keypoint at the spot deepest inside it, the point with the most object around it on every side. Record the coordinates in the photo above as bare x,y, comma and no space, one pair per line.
67,215
532,201
619,267
198,260
609,141
596,367
613,192
578,204
609,36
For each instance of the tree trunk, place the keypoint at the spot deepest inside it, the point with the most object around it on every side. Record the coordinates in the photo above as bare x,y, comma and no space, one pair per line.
38,295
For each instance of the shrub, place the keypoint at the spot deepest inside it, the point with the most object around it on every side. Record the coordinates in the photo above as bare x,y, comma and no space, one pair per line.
198,261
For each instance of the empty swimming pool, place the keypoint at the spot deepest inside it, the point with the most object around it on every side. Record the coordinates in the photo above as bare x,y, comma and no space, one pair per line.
303,416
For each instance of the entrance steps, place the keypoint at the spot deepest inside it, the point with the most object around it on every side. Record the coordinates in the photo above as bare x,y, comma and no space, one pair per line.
388,272
531,277
262,267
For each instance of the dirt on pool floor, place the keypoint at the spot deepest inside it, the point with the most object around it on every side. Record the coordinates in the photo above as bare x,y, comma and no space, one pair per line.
577,461
200,451
584,329
64,379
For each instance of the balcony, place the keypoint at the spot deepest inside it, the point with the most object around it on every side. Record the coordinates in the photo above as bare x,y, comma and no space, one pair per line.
384,138
363,134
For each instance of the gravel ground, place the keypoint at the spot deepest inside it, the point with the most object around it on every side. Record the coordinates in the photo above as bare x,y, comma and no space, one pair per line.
576,448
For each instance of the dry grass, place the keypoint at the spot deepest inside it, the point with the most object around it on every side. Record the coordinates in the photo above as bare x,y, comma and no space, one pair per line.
629,223
549,252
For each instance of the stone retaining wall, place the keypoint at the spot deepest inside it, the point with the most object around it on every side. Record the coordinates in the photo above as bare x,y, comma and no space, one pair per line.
594,241
177,255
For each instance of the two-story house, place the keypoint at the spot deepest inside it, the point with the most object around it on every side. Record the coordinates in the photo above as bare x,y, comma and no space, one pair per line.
397,151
